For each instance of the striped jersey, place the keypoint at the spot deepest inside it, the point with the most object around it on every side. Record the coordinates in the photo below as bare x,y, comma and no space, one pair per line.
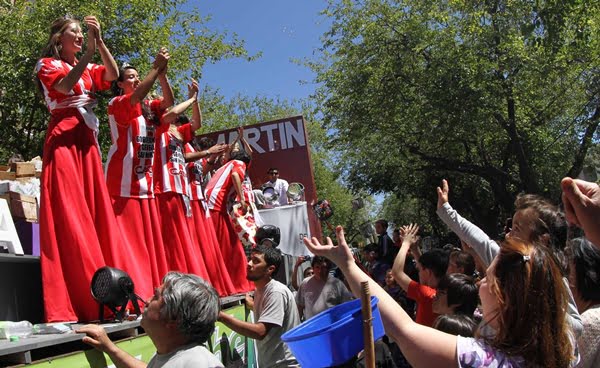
220,187
170,172
130,161
195,177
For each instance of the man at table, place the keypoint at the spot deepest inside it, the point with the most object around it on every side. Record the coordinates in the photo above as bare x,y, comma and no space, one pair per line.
280,185
179,319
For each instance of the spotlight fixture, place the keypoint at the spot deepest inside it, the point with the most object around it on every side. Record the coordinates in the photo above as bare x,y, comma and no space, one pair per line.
114,288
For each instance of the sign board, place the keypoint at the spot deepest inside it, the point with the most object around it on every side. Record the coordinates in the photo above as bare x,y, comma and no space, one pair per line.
282,144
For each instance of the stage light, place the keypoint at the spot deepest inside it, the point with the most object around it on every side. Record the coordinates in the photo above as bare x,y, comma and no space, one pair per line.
271,196
114,288
268,232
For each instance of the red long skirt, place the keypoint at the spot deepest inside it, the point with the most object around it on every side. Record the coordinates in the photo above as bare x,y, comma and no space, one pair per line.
140,226
202,227
78,230
232,250
182,253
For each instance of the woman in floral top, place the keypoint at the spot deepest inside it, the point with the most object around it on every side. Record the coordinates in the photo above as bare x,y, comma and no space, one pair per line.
523,300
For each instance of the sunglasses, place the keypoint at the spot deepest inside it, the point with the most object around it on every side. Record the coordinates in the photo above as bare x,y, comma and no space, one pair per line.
274,173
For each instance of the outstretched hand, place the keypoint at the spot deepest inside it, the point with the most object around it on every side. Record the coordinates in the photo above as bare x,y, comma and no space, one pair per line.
442,194
340,254
409,234
582,206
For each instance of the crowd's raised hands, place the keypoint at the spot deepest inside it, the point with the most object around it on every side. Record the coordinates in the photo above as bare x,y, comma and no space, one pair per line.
581,200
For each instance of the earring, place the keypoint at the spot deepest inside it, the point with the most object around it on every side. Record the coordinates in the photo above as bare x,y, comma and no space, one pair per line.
59,47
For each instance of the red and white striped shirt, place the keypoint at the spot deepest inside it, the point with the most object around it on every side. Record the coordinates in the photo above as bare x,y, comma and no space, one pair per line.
220,187
130,160
195,177
51,70
170,174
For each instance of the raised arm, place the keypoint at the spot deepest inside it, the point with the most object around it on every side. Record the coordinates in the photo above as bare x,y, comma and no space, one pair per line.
299,261
421,345
165,86
160,61
214,150
112,70
582,206
193,91
237,185
409,237
177,110
482,244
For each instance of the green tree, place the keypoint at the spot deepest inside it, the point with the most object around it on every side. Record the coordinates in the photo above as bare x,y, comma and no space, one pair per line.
133,31
497,96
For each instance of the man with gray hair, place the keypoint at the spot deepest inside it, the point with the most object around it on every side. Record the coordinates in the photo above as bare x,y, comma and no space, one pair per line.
179,318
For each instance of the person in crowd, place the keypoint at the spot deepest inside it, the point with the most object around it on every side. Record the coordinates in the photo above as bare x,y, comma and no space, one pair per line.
223,189
432,267
385,243
78,230
584,280
275,310
321,291
460,261
536,220
522,297
280,185
201,227
399,295
456,324
581,200
377,268
133,122
171,187
456,294
179,319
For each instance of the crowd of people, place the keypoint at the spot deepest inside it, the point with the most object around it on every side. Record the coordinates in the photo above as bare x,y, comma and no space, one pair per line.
529,299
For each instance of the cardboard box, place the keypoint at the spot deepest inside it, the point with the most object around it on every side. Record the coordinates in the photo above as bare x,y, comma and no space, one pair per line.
22,169
21,206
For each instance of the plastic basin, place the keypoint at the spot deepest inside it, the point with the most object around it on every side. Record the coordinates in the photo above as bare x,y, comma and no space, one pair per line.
332,337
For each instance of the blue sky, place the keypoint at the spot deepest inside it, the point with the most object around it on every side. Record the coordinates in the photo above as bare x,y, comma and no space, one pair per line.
281,30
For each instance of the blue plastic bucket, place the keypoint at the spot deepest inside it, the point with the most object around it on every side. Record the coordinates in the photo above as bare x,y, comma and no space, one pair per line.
333,336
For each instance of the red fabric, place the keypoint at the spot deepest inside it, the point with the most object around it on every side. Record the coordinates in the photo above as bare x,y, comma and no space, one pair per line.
423,295
232,250
141,230
182,254
78,230
206,238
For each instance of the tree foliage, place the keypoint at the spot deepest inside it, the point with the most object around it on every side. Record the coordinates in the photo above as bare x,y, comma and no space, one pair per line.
498,96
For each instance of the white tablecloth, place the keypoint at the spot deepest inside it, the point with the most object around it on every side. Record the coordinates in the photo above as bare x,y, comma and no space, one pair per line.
292,221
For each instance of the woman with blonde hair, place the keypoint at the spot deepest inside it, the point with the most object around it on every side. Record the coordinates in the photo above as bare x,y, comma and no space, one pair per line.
523,299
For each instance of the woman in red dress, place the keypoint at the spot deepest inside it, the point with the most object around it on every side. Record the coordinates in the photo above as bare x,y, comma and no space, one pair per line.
225,187
78,231
200,224
171,190
133,123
